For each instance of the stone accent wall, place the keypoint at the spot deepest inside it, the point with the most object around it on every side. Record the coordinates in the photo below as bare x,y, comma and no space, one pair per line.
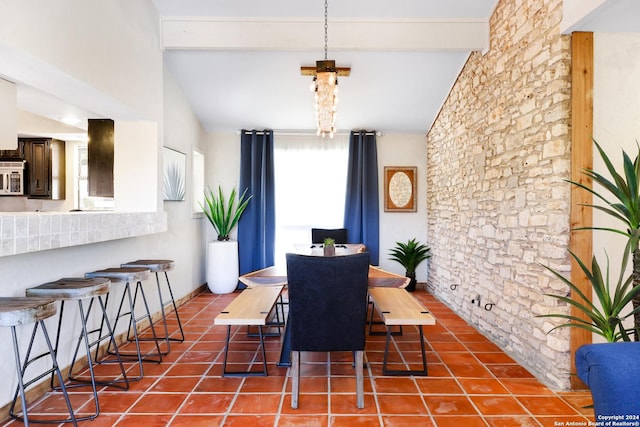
498,205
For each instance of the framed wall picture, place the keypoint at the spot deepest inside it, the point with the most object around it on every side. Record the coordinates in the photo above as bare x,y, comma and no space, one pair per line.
174,174
400,188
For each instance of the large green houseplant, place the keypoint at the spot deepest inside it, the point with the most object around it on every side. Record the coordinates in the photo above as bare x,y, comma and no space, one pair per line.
222,254
222,214
625,207
607,317
410,255
610,370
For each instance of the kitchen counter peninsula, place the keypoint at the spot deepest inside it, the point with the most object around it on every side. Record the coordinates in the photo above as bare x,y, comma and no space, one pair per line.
25,232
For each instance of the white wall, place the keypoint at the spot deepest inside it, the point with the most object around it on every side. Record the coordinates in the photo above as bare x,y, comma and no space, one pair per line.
616,91
616,124
223,168
573,11
403,150
184,239
133,75
105,58
136,187
8,125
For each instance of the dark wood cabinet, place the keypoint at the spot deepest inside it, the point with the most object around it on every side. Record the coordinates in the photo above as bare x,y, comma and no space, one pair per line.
45,172
100,152
17,154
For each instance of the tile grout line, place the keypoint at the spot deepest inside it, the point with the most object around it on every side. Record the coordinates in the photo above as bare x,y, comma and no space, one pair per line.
283,393
374,391
493,376
175,363
499,375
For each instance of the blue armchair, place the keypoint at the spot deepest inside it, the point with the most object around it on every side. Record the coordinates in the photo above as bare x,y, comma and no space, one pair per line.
612,373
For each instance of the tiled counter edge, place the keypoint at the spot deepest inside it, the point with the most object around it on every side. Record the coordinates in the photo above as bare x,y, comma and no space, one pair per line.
23,232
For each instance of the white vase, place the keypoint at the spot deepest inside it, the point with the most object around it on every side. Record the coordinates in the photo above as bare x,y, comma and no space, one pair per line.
222,266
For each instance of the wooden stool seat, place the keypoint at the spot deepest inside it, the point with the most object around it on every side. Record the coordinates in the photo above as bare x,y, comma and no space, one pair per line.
72,288
121,274
21,311
155,265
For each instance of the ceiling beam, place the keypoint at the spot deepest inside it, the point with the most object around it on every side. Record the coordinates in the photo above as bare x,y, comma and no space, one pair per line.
620,16
55,84
307,35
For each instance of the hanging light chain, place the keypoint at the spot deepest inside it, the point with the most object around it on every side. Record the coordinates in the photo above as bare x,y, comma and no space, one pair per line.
325,82
326,30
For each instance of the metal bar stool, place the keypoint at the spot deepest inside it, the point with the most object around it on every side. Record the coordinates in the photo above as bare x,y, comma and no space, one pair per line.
127,276
25,310
162,266
80,289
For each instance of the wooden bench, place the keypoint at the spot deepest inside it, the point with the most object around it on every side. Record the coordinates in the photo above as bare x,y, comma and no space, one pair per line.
397,307
251,307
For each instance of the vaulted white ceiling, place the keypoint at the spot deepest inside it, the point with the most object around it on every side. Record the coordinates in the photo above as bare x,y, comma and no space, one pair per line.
238,61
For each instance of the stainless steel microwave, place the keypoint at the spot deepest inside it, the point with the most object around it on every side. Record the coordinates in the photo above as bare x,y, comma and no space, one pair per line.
11,178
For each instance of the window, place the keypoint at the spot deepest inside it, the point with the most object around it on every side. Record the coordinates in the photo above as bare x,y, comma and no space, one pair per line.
310,182
198,183
83,201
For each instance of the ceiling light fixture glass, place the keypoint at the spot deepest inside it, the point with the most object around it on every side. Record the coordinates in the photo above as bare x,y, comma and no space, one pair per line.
325,86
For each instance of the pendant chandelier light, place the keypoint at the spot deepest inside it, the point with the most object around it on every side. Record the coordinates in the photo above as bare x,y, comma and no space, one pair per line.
325,87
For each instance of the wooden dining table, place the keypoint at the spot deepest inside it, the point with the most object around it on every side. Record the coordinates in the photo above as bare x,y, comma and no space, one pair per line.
277,276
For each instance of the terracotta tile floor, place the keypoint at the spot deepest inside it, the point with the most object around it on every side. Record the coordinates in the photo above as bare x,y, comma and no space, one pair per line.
470,383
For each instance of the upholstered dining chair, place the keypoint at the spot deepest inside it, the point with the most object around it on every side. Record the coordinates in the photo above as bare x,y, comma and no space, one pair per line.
327,310
338,234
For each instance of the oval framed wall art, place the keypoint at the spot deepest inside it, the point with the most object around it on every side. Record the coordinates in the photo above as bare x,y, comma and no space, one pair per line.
400,188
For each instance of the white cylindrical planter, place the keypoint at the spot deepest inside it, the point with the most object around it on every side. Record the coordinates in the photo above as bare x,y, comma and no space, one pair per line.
222,266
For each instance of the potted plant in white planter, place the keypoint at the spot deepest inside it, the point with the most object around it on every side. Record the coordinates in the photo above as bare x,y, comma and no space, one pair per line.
410,255
222,254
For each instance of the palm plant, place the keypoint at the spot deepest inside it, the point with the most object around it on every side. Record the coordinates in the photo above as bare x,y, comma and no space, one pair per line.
606,319
410,255
223,215
625,189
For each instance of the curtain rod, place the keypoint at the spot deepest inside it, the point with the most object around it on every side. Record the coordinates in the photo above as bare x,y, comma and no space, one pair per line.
294,132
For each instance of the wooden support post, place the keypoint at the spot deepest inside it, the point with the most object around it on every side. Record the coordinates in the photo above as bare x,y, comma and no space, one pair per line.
581,242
